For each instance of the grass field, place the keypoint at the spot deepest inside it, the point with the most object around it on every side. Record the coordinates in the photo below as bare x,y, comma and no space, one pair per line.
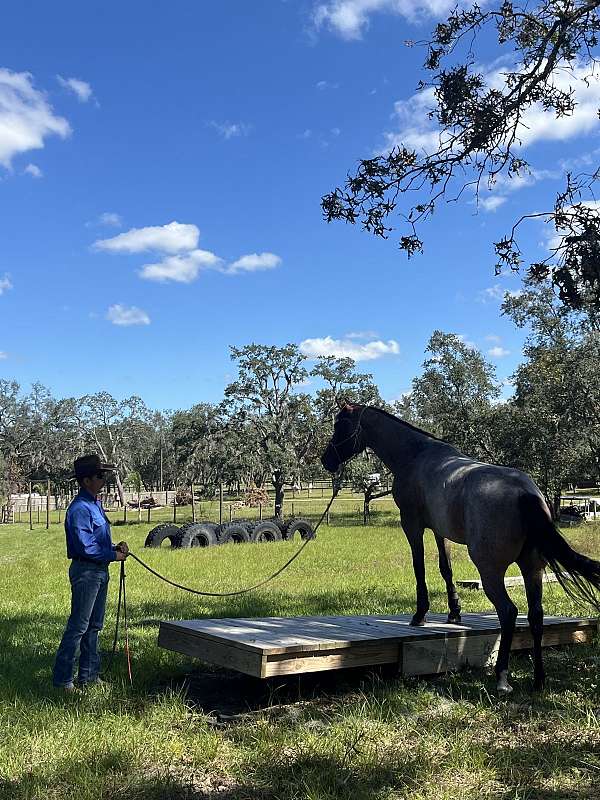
360,734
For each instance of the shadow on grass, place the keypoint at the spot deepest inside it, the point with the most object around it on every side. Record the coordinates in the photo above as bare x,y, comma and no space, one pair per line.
354,771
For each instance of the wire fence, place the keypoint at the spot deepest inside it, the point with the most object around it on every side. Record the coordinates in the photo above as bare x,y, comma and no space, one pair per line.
348,509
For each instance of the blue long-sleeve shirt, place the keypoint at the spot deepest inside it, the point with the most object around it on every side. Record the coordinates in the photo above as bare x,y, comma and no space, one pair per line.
88,530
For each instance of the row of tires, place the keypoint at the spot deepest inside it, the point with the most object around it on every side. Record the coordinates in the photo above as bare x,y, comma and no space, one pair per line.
207,534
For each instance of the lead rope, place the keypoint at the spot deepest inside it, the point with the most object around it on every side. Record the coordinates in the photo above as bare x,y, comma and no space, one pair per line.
122,594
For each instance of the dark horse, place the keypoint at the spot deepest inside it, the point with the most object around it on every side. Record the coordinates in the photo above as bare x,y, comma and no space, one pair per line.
498,512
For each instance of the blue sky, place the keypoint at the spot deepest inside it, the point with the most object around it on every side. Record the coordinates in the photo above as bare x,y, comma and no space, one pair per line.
161,169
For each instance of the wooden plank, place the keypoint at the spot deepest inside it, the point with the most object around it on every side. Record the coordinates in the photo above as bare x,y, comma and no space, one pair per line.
360,655
514,580
432,656
222,654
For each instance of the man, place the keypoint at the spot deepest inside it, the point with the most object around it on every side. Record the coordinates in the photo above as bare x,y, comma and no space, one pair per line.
90,549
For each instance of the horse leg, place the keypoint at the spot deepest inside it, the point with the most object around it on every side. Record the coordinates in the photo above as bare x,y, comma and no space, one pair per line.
445,563
493,586
414,534
532,568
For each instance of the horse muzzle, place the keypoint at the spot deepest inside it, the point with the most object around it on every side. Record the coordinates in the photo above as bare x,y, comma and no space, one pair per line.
330,459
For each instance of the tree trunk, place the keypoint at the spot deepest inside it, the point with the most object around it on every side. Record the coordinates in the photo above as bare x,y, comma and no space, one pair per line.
279,493
555,507
120,489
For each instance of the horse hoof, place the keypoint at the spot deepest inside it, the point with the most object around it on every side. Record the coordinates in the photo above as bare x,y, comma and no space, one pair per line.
503,688
417,622
454,619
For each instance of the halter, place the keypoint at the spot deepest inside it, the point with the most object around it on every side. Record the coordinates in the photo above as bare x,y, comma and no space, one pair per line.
354,436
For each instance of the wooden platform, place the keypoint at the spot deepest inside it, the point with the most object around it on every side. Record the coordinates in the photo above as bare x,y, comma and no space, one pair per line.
516,580
289,645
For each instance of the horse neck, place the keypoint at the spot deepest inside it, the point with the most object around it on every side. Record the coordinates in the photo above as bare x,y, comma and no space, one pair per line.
394,442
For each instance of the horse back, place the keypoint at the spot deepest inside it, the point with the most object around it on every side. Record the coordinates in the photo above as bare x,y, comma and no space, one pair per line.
460,498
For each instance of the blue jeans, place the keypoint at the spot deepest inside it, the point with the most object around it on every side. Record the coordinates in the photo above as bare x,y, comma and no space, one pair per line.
89,585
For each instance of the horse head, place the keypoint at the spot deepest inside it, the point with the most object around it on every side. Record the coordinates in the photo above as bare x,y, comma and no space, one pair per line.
347,439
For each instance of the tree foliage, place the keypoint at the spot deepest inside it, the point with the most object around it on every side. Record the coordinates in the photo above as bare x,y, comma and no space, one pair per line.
551,48
453,397
287,422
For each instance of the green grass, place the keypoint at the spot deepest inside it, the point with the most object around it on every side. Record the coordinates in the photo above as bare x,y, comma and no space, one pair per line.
359,735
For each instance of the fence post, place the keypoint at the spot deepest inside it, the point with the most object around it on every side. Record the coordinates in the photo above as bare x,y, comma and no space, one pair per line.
30,509
260,511
193,504
48,505
230,513
175,507
139,507
167,498
125,511
149,513
220,503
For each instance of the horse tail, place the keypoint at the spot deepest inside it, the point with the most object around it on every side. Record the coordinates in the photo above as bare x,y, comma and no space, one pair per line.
578,575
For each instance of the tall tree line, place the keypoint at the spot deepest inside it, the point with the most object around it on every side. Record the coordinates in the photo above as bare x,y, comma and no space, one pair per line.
274,419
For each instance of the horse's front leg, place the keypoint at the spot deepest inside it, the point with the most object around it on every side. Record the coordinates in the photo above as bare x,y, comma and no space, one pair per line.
414,534
445,563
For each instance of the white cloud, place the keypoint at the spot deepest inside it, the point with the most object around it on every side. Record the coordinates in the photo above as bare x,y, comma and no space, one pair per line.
350,18
230,130
81,89
322,85
347,348
3,355
253,262
498,352
491,293
5,284
26,117
493,202
110,219
185,267
182,268
171,238
362,335
416,130
467,342
491,337
123,315
181,260
34,171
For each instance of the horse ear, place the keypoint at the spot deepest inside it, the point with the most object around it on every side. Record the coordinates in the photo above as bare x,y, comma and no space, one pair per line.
343,404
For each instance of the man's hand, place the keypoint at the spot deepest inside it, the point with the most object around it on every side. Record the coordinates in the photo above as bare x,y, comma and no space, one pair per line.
123,548
120,555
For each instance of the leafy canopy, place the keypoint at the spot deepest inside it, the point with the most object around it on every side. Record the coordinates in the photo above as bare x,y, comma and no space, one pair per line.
482,123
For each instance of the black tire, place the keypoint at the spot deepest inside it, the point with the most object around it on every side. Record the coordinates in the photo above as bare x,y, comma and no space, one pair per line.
167,530
198,534
280,522
248,524
232,532
265,531
300,526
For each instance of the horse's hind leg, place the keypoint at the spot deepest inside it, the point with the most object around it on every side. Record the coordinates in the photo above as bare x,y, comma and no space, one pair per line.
493,586
445,563
532,567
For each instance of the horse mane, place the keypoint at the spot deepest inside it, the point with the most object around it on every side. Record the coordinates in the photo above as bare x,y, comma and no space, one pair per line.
408,425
